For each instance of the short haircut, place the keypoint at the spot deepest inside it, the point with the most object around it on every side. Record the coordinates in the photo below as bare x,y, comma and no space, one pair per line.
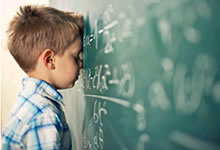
36,28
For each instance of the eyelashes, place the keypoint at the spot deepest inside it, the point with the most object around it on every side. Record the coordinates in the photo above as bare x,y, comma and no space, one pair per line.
79,57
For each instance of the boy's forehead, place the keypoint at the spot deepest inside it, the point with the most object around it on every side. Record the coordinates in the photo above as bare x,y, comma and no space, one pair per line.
76,46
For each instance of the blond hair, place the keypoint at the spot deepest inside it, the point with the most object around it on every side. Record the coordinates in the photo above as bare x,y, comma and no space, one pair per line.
36,28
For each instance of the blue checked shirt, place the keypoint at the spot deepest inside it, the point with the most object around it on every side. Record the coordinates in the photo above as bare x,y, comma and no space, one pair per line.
37,120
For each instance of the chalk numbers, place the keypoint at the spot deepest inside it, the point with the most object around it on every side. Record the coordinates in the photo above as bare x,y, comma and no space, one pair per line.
103,76
98,111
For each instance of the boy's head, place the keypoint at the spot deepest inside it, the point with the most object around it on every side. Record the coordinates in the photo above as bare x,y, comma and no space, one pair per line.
39,34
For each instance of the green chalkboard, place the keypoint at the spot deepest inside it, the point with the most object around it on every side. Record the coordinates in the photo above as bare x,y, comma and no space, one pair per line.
151,77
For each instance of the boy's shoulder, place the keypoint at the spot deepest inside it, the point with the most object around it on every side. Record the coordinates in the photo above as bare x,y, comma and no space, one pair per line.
33,108
32,112
37,100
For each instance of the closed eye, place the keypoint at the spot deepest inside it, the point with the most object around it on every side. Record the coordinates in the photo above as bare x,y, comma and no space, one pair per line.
79,57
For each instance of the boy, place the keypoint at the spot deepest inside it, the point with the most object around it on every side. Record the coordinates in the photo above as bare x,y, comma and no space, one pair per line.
46,43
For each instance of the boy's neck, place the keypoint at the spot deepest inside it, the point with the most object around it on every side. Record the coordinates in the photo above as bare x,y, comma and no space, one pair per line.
37,76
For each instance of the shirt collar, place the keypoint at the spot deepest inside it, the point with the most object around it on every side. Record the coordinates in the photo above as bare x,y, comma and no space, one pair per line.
43,88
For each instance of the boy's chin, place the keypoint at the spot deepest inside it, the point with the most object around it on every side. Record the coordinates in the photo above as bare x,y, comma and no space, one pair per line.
68,86
72,84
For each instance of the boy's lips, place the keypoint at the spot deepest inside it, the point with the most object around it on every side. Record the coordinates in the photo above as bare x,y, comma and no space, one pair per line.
77,77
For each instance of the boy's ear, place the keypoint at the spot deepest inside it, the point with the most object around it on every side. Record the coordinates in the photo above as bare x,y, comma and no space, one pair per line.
48,59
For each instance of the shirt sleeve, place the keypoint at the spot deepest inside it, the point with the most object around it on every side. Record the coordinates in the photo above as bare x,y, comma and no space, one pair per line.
44,133
10,138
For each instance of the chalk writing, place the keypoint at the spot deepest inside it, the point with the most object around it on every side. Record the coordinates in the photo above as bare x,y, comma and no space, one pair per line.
104,76
148,68
141,144
188,91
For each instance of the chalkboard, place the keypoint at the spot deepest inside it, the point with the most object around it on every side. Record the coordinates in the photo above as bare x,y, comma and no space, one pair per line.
151,76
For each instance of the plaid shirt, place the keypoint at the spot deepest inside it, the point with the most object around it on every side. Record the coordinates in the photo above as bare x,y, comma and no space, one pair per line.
37,120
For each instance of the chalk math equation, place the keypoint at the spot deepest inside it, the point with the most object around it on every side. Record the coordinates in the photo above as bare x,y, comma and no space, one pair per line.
188,85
